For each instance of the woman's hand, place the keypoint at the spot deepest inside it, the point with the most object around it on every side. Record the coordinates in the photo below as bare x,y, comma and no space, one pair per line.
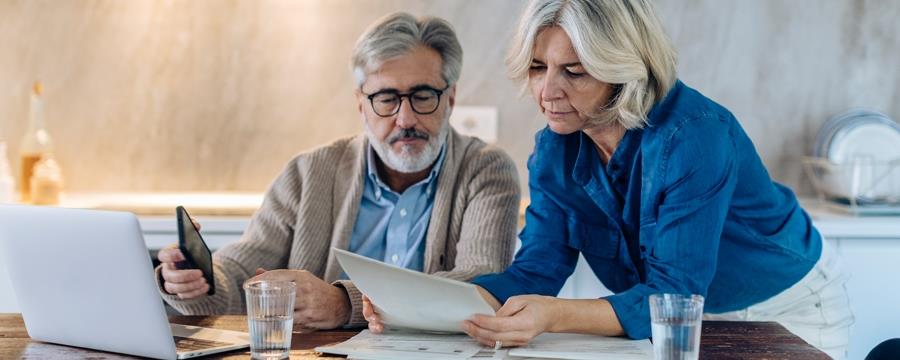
372,316
516,323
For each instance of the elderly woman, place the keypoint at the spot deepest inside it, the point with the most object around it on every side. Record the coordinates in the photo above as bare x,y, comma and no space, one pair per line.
657,186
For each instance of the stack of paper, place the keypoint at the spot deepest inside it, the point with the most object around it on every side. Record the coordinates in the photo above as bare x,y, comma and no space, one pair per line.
407,345
415,301
584,347
402,345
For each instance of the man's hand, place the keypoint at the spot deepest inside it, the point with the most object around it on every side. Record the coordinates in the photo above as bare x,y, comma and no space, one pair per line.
516,323
319,305
371,314
187,284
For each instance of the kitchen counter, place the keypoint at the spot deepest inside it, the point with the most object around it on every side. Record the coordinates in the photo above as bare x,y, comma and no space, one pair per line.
836,224
164,203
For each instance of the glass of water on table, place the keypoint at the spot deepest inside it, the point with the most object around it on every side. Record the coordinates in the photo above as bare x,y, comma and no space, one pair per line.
675,322
270,317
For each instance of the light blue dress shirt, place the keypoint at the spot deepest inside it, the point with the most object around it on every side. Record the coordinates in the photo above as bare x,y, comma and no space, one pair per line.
391,226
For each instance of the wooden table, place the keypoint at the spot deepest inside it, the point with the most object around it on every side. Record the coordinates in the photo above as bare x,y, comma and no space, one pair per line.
720,340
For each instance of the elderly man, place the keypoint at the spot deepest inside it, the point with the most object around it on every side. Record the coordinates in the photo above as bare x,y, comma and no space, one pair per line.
410,192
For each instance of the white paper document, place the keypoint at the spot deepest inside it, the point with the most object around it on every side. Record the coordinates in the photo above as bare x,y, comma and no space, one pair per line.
401,345
413,300
406,345
584,347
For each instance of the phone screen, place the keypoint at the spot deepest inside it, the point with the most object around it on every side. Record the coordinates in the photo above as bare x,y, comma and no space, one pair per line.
194,248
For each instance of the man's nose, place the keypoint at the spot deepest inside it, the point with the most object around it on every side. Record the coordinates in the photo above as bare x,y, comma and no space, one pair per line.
406,117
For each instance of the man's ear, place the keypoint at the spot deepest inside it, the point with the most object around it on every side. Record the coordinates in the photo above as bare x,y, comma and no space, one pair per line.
359,100
451,95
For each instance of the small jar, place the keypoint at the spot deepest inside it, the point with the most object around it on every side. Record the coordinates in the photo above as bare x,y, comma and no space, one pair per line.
47,182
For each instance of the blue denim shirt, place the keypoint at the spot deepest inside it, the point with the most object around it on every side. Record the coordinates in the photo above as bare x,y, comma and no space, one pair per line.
684,205
390,226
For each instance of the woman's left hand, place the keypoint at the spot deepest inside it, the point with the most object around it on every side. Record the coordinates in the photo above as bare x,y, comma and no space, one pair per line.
518,321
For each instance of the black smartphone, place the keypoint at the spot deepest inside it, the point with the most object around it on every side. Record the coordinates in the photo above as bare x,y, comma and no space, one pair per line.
193,247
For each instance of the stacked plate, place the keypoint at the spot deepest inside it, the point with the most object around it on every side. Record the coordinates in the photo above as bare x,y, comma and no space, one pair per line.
862,148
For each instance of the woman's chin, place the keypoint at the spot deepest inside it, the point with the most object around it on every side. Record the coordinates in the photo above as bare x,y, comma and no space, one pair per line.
562,127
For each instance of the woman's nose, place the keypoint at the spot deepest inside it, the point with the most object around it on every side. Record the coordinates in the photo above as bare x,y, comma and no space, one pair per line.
551,89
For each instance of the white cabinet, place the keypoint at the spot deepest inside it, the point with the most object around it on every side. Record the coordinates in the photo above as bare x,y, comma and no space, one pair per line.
874,288
217,231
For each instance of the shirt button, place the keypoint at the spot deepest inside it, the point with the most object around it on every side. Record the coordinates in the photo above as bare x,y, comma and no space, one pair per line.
394,258
614,167
402,212
643,249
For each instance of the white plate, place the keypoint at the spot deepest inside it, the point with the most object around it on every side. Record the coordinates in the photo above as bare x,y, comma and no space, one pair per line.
838,124
873,141
864,151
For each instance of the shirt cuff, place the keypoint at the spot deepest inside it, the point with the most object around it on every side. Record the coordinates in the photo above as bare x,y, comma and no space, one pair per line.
357,319
502,286
633,310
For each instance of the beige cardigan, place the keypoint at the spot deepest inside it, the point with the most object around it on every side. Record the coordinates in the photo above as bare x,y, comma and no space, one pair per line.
312,206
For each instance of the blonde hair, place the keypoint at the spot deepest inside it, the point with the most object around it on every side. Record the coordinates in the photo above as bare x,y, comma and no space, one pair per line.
398,34
619,42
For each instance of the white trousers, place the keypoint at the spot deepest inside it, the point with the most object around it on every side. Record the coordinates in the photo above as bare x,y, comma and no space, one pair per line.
816,308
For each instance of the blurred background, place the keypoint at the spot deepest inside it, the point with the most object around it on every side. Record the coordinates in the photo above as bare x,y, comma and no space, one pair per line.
206,95
155,103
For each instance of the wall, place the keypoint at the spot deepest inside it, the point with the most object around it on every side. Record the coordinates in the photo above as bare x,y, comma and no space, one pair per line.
217,95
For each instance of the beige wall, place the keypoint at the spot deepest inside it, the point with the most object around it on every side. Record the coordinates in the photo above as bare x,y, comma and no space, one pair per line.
148,95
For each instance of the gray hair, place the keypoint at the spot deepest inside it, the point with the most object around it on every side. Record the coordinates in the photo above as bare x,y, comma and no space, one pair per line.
619,42
397,34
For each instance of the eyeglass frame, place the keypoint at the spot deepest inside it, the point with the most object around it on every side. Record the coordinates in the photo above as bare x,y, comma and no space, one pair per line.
438,93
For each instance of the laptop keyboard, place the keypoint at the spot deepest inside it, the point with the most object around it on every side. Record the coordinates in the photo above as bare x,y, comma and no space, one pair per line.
192,344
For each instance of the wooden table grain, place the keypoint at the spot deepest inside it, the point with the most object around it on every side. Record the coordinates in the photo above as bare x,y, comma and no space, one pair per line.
719,340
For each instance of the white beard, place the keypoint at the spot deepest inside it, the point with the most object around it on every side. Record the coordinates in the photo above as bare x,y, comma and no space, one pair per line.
408,160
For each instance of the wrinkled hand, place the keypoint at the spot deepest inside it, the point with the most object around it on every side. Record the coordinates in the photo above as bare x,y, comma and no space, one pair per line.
518,321
318,305
372,316
188,283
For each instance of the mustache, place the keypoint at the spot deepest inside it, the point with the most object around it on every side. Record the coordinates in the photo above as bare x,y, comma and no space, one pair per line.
408,134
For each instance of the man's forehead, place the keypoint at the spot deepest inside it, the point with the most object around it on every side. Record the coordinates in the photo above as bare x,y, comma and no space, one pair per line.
420,67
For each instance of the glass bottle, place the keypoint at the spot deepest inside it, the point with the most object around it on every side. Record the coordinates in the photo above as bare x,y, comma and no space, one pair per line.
35,144
47,182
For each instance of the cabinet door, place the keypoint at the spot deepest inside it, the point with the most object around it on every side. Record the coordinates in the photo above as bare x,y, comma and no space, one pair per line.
874,289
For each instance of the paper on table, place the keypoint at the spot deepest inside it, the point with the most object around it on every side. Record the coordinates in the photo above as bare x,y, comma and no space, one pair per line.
406,345
402,345
410,299
587,347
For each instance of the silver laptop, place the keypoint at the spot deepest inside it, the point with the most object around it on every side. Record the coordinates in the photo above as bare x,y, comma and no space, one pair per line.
84,278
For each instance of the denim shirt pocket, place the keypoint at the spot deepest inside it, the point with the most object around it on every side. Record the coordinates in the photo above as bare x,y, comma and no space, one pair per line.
597,239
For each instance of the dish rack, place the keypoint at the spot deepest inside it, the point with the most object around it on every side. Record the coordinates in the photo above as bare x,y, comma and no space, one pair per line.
860,186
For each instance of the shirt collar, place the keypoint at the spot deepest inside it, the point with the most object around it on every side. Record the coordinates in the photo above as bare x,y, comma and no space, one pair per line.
660,111
621,160
372,172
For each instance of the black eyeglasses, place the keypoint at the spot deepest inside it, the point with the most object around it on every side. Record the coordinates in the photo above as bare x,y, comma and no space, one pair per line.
423,100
